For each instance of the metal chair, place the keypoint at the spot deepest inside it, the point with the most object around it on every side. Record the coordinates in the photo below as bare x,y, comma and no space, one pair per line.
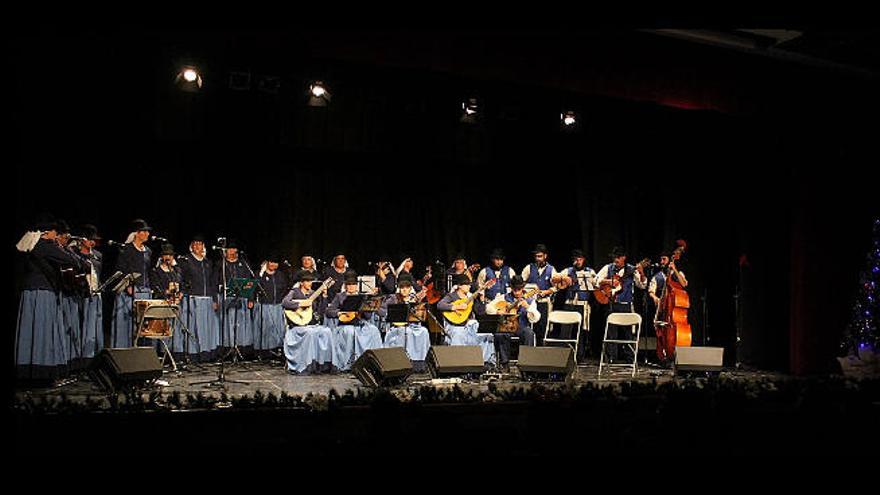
564,318
623,320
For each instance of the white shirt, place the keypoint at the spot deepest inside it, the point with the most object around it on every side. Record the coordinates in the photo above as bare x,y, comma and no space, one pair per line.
639,280
532,312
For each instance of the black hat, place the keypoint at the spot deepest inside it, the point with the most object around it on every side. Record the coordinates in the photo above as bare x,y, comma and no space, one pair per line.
304,275
540,248
90,232
405,279
577,253
231,244
617,252
62,227
45,222
351,277
461,279
666,253
517,282
197,238
496,253
273,257
139,225
167,249
458,256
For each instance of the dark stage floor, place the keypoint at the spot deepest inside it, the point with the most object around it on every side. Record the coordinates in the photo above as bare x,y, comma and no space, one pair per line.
273,378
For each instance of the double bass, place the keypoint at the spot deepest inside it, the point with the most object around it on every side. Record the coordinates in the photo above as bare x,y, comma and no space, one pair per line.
671,319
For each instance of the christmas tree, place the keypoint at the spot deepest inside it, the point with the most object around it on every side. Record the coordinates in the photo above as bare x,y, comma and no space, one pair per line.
861,334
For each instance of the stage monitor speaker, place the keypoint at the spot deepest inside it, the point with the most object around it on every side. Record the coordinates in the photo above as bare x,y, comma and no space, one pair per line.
383,367
546,363
454,360
131,367
709,359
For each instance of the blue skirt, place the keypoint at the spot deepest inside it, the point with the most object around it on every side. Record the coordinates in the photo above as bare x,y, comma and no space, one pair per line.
39,337
467,335
238,326
92,311
197,313
413,338
308,348
72,327
350,341
120,329
270,326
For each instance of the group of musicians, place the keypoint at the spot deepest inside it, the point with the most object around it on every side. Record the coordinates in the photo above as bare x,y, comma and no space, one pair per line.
319,320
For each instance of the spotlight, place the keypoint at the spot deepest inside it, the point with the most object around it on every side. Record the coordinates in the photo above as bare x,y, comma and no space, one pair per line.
469,111
188,79
319,96
568,119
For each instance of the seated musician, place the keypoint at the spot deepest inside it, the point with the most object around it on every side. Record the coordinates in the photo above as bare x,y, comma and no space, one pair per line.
526,312
351,338
165,281
626,277
308,347
464,334
412,336
269,322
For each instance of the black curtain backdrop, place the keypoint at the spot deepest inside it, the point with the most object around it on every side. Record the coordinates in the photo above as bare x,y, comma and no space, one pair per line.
104,138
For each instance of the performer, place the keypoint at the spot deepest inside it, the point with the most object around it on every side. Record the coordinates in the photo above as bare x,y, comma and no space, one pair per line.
658,281
91,307
526,311
269,321
308,264
165,281
540,274
70,298
386,277
579,281
40,342
135,257
498,271
406,267
237,323
460,266
308,348
627,276
465,334
336,271
412,336
198,309
353,338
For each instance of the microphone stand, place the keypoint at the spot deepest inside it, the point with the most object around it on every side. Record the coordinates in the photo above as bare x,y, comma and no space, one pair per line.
221,380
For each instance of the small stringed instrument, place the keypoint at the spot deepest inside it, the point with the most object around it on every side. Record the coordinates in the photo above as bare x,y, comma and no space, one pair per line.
303,315
369,306
460,316
506,307
609,289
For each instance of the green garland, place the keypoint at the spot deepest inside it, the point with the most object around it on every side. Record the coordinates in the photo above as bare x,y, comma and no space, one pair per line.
714,392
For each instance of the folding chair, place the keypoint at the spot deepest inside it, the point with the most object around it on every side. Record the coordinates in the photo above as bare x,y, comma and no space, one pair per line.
564,318
624,320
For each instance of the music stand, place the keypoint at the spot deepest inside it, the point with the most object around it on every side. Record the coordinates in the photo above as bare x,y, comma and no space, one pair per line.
366,284
399,313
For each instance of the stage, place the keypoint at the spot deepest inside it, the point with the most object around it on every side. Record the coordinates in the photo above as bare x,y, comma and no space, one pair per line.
270,377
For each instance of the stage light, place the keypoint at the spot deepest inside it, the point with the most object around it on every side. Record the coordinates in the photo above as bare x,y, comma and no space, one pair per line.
319,96
568,118
188,79
470,111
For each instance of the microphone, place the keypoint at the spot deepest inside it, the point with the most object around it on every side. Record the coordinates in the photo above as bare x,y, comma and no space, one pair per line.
218,248
111,242
157,238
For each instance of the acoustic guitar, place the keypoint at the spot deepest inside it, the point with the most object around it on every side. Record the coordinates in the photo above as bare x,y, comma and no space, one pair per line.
303,315
609,289
459,316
